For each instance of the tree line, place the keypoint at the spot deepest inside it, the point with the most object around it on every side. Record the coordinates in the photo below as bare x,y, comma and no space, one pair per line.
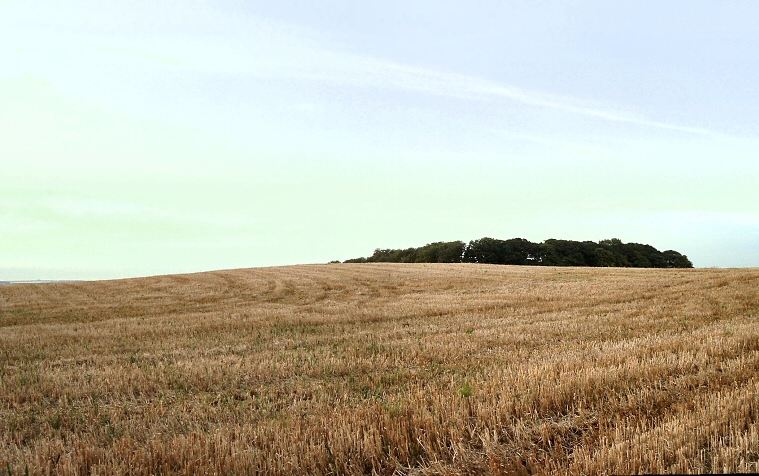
518,251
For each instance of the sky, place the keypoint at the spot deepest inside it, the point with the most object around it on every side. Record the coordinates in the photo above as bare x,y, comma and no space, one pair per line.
154,137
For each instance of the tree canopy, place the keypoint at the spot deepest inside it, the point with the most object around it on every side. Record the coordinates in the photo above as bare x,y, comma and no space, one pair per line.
518,251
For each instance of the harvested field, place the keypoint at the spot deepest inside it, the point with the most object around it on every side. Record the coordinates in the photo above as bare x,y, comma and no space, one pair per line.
383,368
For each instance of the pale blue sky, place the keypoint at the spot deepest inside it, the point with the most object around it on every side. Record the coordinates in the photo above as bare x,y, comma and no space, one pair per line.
149,137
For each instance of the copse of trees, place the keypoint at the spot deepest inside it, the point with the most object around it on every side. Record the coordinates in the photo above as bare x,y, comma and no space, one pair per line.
440,252
518,251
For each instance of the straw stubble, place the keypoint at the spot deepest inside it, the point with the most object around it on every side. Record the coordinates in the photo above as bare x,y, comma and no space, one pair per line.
383,368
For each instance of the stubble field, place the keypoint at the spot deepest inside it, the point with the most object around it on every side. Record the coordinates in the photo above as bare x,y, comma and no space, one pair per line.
383,368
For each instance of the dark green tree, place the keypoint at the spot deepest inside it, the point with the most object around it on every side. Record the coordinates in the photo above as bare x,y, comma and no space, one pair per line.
605,257
519,251
673,259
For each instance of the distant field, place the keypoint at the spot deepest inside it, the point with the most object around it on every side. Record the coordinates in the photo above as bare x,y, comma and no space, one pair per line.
362,368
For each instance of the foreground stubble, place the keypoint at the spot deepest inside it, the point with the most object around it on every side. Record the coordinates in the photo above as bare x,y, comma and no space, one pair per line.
383,368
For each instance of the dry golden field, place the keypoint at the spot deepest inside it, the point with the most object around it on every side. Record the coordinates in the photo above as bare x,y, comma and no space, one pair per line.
383,368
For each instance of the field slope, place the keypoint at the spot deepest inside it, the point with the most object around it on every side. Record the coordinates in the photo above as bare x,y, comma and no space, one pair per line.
355,369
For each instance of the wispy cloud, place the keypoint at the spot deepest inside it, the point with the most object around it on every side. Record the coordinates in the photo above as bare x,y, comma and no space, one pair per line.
368,71
270,49
210,41
308,60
